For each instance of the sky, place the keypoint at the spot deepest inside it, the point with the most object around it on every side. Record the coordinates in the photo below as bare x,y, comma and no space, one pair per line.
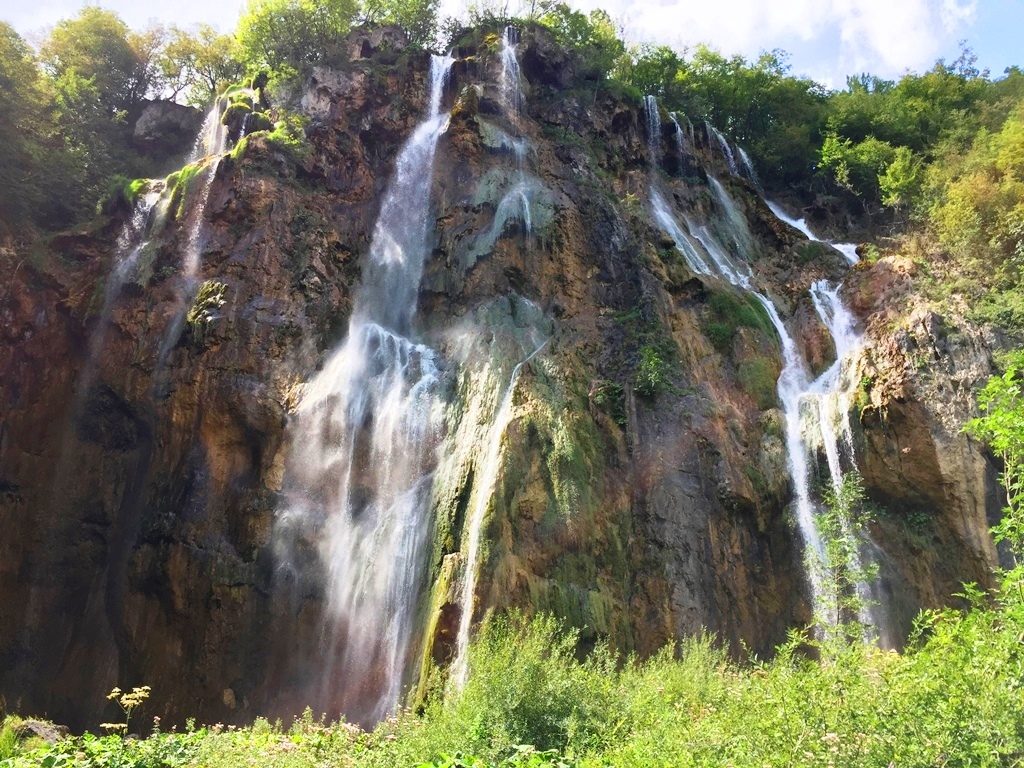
826,39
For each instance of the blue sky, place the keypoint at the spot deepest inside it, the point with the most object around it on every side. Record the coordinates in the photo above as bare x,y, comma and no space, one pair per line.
827,39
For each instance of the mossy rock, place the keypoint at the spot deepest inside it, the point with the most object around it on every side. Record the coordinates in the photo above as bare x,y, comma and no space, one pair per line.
259,121
234,117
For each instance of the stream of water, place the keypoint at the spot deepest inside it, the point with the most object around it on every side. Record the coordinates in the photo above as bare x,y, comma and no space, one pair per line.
363,442
815,410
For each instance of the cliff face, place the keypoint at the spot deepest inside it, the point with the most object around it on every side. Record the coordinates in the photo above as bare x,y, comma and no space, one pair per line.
642,488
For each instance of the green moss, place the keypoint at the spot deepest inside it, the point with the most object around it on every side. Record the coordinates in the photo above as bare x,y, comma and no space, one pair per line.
757,378
121,192
727,311
609,396
212,295
179,185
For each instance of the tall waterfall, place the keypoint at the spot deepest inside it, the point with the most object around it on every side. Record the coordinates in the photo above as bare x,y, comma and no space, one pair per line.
814,409
362,449
483,491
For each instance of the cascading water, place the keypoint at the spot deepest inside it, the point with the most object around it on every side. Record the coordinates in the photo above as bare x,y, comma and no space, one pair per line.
849,250
484,490
130,243
748,165
798,394
516,202
363,444
723,145
210,143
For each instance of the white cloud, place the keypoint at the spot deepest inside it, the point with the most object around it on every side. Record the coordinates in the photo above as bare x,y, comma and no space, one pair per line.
831,38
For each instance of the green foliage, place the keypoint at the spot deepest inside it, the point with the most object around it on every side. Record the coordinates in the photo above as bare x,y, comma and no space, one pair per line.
841,525
901,179
857,167
652,371
952,698
201,64
100,48
592,36
417,18
23,103
290,35
1001,426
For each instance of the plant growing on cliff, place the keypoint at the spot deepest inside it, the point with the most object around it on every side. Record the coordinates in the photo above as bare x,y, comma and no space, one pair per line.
1001,401
838,565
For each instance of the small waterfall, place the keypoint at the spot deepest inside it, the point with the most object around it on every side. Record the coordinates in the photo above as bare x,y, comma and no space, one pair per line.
212,138
849,250
723,145
211,142
653,128
748,165
484,491
511,76
515,204
814,411
363,443
680,136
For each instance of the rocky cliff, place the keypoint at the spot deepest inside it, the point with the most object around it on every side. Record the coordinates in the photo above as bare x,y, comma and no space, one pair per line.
642,492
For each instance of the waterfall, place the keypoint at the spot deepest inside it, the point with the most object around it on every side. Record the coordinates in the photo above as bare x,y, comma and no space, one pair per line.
515,204
748,165
803,400
680,137
511,76
212,137
849,250
484,490
723,145
211,142
362,449
653,128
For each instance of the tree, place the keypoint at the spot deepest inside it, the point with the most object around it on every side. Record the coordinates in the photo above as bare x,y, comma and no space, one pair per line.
1001,426
841,525
97,46
202,64
417,18
24,109
901,179
286,36
593,36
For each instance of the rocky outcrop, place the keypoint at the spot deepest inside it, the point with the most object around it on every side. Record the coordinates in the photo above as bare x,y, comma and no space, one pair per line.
166,129
643,486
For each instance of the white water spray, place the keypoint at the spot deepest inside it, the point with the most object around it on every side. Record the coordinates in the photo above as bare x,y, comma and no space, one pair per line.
363,445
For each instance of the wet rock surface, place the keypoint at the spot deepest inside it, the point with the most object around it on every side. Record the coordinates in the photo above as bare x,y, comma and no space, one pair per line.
138,515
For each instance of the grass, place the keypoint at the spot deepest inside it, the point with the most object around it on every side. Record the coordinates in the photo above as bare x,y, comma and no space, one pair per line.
955,697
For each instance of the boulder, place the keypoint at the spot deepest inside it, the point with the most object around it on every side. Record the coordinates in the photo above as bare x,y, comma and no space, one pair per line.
165,128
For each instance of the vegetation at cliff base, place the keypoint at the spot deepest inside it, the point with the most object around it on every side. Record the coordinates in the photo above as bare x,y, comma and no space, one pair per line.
955,697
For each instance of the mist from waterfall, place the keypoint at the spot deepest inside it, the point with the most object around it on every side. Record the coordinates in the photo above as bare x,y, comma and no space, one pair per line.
362,450
483,491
